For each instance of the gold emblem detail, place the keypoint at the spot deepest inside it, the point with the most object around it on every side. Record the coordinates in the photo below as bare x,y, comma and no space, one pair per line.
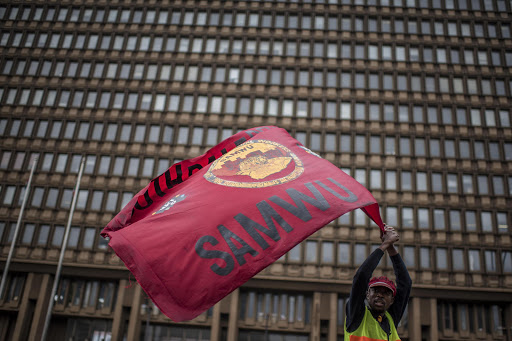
255,164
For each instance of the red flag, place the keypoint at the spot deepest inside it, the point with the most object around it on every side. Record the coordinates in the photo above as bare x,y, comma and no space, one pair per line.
207,225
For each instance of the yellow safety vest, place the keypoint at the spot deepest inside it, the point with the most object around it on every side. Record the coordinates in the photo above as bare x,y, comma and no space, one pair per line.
370,330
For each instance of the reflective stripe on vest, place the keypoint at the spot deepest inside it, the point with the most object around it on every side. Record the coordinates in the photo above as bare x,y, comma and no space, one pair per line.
370,330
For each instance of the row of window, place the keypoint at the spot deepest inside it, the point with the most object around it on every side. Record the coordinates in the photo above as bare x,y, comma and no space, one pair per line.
149,167
99,131
45,235
96,200
149,309
479,86
88,329
432,182
152,331
299,107
438,219
275,47
255,105
328,142
14,284
85,294
232,74
449,148
423,257
69,163
275,307
259,106
407,146
470,318
375,179
241,18
269,308
418,181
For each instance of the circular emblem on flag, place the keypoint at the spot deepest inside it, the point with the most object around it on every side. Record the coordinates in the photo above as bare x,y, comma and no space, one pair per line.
255,164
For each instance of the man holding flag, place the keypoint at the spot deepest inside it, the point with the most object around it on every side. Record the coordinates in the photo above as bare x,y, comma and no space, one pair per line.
385,303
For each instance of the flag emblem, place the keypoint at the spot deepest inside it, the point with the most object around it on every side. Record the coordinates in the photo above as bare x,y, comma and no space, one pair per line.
256,164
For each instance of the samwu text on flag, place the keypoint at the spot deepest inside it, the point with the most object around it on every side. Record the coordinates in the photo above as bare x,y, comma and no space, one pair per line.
207,225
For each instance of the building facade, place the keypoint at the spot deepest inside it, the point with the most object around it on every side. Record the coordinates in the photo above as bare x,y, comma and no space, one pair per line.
410,97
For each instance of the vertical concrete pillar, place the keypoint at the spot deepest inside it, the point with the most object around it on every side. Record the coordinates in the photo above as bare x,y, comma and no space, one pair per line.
333,317
43,299
434,328
215,332
117,333
22,325
414,319
233,316
315,318
134,324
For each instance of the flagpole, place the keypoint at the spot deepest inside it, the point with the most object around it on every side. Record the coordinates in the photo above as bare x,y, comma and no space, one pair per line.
62,251
16,230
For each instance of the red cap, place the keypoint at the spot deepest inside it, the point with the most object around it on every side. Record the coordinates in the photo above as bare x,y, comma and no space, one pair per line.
382,281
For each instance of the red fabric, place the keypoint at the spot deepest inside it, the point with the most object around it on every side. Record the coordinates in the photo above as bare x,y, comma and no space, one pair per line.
209,224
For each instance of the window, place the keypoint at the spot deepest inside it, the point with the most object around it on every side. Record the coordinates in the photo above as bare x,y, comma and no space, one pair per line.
498,185
506,261
455,220
391,180
359,254
437,182
392,216
501,219
327,252
483,186
88,239
474,260
28,234
97,199
423,218
344,254
58,236
140,132
490,261
311,251
42,238
458,260
375,179
441,259
111,202
406,178
407,217
425,257
409,256
439,219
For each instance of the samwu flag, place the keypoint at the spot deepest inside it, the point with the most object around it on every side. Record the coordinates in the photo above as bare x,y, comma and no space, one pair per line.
207,225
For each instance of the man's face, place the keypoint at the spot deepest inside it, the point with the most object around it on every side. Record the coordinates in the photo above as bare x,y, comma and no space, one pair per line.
379,299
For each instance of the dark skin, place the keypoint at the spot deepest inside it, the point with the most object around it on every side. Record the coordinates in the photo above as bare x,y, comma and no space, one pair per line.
380,298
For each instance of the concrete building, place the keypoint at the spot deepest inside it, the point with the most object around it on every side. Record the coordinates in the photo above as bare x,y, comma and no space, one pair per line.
411,97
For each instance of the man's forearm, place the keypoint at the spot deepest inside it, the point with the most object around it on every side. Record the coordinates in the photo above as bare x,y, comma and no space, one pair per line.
392,250
403,284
